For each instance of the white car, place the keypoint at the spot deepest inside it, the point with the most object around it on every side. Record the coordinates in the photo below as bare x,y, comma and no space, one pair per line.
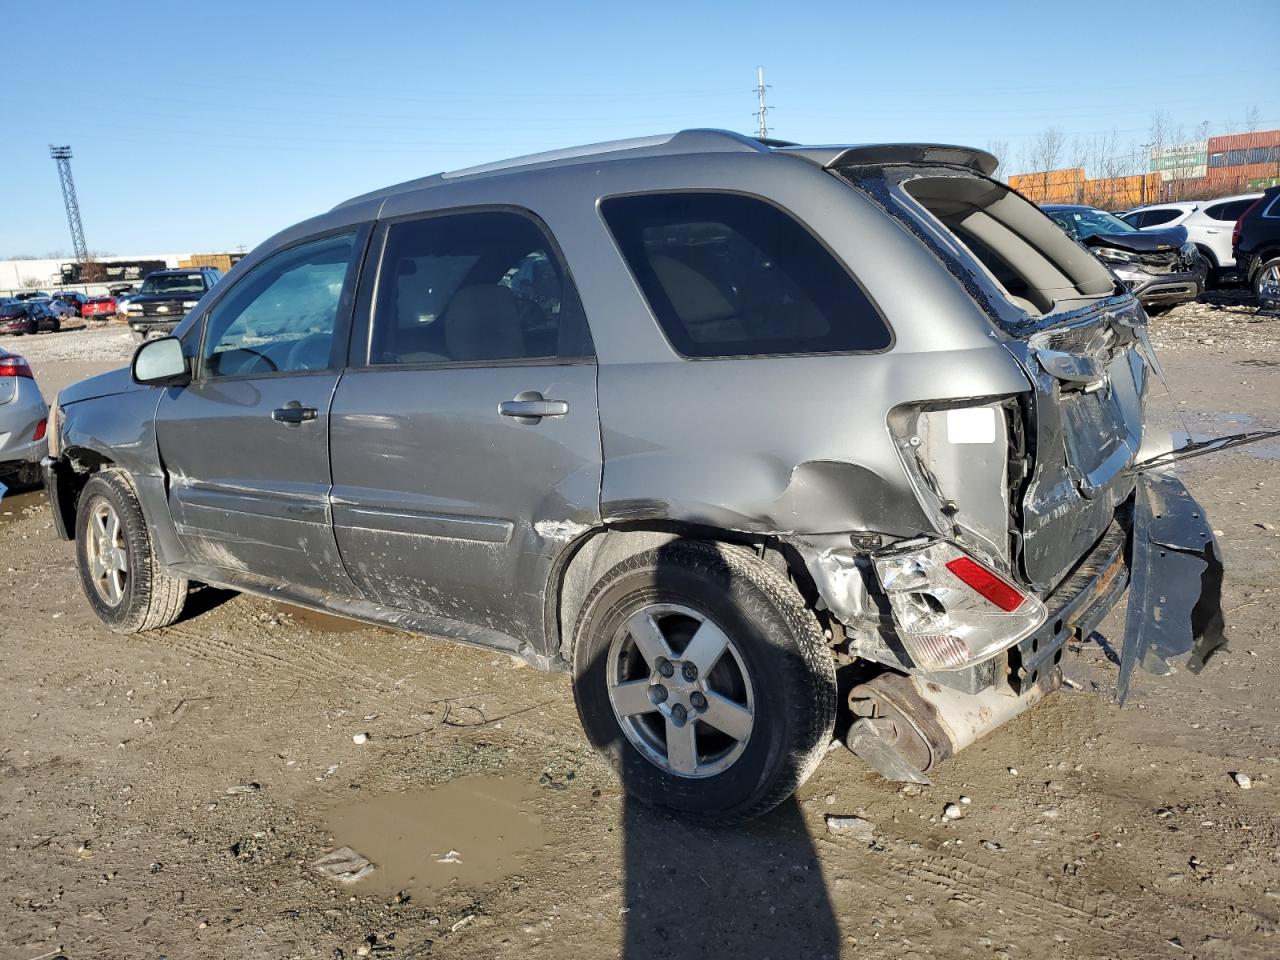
1208,223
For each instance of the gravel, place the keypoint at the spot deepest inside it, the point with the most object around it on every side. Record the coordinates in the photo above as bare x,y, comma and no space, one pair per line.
99,344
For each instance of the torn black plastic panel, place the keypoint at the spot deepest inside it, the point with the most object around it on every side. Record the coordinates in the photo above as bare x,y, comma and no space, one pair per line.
1175,582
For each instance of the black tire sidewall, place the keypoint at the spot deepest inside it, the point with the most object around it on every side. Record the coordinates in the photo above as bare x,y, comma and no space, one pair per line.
126,614
764,640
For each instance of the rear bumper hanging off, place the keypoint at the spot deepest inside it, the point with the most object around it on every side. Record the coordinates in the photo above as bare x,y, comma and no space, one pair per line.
905,725
1175,582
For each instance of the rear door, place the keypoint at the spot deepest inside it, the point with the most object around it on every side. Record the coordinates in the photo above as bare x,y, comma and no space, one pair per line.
245,444
465,438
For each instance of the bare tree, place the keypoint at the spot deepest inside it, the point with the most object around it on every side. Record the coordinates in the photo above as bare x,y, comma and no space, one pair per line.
1000,150
1251,117
1045,156
29,283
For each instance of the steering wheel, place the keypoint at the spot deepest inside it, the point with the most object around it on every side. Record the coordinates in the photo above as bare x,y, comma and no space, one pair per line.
315,343
262,356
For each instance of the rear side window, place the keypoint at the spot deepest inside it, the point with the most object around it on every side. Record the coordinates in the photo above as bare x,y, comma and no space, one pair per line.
732,276
474,288
1228,212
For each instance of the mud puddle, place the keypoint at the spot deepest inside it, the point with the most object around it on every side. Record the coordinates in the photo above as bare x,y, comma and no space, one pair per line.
470,831
324,622
12,505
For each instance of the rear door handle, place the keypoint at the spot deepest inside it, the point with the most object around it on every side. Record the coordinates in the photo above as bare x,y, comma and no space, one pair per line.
530,407
293,413
1212,230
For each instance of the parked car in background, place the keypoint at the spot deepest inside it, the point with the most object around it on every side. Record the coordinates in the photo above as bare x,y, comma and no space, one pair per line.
165,297
32,295
29,316
62,309
1257,248
102,307
122,301
73,299
697,425
1208,223
23,420
1160,266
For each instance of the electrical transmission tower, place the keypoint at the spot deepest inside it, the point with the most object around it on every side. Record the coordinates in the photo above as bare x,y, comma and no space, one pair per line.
762,111
63,157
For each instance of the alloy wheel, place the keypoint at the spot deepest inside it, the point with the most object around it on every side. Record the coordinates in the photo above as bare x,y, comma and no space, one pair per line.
106,552
680,690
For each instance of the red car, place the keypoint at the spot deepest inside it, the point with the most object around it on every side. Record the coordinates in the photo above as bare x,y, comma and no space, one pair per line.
99,308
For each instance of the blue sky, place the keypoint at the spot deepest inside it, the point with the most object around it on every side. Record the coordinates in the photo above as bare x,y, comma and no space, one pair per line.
202,127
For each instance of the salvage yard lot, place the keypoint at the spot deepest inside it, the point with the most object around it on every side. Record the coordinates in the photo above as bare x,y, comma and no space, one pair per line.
168,793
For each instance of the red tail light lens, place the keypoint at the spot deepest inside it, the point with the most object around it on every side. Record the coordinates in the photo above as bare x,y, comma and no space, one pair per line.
14,366
986,583
40,429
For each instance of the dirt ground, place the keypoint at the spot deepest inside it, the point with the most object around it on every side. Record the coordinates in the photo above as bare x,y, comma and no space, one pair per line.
167,794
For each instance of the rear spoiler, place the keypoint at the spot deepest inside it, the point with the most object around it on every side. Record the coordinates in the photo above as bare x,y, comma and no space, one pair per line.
880,154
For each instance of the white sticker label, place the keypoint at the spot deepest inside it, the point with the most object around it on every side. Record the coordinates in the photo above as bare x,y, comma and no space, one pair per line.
972,425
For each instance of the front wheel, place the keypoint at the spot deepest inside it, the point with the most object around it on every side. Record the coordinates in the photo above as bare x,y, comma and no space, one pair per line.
702,677
119,571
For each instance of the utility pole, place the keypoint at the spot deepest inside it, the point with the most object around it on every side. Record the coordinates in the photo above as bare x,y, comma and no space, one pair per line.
762,110
62,155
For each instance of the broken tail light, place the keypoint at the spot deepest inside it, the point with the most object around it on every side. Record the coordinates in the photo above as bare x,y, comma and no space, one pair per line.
951,611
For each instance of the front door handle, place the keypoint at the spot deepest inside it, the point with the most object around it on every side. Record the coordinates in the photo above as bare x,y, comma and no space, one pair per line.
1212,230
293,413
530,407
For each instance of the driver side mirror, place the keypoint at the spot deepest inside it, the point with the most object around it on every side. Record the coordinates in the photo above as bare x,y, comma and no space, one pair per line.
161,363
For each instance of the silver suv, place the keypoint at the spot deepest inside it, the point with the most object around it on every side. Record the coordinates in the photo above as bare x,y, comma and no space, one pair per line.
699,419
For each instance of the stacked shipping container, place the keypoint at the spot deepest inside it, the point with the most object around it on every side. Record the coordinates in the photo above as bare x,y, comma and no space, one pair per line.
1219,166
1243,160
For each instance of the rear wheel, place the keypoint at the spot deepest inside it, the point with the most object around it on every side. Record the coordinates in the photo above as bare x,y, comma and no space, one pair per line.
118,567
700,675
1268,275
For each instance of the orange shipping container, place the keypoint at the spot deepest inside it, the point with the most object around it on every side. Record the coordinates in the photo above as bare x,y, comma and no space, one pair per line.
1243,171
1245,141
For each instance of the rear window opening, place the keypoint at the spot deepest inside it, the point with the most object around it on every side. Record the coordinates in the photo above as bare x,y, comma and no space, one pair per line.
1032,260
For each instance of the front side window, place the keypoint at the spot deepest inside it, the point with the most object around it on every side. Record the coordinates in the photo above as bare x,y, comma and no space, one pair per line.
280,316
473,288
732,276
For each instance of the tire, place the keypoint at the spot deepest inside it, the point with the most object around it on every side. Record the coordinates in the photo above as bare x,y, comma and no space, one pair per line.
118,567
772,687
1269,267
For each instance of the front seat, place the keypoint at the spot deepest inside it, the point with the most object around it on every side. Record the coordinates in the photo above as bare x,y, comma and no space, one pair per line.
482,322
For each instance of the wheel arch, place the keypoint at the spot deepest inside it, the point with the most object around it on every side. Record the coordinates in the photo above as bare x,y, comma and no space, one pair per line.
1206,251
70,472
601,548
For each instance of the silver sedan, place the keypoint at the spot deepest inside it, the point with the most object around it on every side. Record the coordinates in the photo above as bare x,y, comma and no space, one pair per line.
23,418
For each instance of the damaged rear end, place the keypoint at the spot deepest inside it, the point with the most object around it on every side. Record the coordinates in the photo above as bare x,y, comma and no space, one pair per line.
1041,509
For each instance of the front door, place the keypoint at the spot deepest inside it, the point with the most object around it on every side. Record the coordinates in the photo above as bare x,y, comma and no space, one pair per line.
245,445
466,442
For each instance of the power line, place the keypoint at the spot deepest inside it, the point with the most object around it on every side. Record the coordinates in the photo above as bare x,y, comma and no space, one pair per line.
62,156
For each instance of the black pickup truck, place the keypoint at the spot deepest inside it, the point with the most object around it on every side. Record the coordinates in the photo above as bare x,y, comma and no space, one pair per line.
166,297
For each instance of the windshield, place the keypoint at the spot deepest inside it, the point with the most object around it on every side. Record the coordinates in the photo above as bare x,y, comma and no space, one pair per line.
173,283
1085,222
